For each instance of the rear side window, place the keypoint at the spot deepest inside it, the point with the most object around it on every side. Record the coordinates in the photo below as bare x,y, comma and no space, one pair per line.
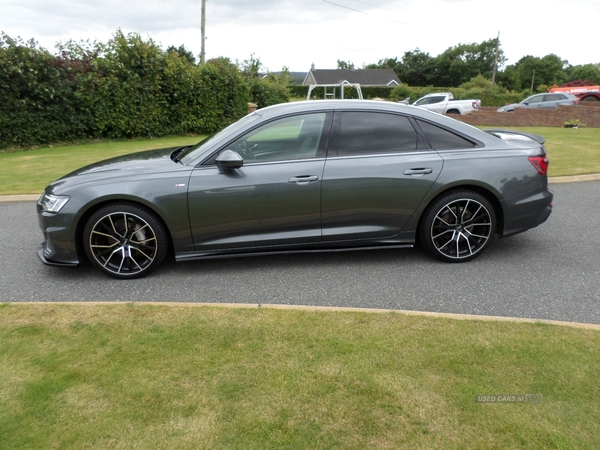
368,133
442,139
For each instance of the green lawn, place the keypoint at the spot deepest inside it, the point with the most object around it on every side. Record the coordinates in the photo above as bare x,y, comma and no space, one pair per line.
158,377
571,152
30,171
169,377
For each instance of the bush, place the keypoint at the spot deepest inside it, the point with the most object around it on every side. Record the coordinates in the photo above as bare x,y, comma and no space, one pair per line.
489,97
128,87
266,92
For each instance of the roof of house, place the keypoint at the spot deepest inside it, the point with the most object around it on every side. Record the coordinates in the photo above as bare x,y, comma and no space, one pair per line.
364,77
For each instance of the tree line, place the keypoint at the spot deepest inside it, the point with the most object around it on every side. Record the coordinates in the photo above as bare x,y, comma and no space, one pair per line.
131,87
461,63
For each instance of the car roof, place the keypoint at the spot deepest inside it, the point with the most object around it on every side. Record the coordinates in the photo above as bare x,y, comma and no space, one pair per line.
368,105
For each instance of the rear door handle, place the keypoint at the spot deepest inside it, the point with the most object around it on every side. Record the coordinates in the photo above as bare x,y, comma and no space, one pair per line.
303,179
420,171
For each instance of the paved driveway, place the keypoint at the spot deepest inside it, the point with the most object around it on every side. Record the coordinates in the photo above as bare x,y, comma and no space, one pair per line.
551,272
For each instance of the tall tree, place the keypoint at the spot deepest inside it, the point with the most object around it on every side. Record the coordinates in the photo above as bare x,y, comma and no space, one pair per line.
588,72
417,68
463,62
183,53
549,70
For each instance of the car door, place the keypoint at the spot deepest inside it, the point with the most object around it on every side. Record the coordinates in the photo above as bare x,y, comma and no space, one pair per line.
378,171
551,101
274,198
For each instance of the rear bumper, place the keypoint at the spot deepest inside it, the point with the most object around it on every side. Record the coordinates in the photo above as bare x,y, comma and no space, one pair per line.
529,213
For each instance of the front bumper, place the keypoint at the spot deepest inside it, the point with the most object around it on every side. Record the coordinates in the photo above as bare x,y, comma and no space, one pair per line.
42,255
59,247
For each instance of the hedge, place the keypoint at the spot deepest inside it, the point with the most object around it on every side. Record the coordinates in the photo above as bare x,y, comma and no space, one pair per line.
128,87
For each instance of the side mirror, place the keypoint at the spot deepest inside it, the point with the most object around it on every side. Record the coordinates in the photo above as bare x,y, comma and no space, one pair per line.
229,160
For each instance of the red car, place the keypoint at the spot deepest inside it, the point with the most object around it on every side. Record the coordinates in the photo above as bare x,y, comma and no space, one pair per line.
584,93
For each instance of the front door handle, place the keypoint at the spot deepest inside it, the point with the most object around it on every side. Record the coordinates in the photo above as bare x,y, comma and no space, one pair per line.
420,171
303,179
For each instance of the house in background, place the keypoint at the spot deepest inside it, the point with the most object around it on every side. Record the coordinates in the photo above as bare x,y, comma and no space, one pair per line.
331,79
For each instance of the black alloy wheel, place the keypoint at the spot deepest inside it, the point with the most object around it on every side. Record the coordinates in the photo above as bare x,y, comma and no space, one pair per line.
458,226
125,240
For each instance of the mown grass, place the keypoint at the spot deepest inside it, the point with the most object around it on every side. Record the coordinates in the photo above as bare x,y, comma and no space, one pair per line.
159,377
30,171
571,151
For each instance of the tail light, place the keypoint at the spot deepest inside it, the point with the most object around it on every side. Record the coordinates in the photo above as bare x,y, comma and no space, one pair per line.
540,163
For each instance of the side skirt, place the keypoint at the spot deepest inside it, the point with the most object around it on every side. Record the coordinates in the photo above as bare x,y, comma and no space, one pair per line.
195,256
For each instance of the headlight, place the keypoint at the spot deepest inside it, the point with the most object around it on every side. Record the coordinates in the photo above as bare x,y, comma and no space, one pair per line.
53,203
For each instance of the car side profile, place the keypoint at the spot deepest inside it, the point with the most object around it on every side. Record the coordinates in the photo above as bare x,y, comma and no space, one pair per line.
548,101
301,177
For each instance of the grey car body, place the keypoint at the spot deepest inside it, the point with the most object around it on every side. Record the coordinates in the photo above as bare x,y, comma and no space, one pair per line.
305,176
548,101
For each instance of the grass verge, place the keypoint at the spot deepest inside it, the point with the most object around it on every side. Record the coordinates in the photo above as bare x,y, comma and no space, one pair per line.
571,151
152,377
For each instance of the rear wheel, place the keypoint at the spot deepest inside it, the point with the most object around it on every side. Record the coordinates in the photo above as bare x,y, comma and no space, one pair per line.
125,240
458,226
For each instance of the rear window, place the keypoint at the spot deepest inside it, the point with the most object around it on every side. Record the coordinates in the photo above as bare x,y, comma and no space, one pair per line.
443,139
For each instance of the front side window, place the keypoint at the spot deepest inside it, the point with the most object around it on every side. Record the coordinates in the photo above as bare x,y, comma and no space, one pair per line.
289,138
430,100
366,133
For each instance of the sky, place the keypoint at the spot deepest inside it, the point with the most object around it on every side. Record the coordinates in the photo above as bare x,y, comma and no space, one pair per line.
299,33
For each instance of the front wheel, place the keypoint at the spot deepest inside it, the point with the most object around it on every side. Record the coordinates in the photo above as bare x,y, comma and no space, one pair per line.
458,226
125,241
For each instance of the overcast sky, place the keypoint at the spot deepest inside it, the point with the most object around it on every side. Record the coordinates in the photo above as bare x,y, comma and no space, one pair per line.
297,33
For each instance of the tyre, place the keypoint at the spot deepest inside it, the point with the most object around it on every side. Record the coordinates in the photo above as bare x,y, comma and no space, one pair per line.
458,226
125,240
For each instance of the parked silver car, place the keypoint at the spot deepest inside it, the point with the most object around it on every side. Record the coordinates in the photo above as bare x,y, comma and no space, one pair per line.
301,177
548,100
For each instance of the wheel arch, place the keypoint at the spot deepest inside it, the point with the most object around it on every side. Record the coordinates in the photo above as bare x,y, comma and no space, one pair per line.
481,190
107,201
590,97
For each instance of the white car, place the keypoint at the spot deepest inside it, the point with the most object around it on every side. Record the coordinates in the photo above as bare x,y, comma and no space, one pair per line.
444,103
